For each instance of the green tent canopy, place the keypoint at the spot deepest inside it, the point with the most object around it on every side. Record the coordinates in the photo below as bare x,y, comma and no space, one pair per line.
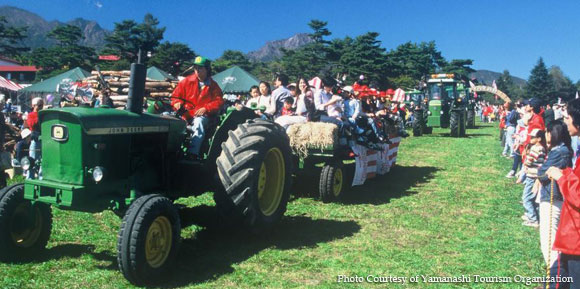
158,74
235,80
49,85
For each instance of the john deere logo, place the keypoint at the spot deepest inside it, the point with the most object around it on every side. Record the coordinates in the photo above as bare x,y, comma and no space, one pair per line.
59,133
229,80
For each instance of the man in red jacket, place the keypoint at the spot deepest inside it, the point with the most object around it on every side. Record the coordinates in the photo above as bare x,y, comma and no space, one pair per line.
567,240
201,97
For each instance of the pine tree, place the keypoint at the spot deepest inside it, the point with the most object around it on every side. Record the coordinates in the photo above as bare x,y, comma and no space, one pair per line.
540,84
10,37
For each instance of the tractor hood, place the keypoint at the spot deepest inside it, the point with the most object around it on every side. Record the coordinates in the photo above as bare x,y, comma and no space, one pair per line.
107,121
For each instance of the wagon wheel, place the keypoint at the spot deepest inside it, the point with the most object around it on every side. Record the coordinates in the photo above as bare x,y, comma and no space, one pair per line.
331,185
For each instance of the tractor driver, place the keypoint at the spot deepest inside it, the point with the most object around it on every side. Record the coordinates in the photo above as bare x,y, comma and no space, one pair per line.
201,98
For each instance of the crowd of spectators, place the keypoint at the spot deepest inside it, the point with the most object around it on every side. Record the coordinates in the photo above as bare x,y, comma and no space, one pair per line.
542,141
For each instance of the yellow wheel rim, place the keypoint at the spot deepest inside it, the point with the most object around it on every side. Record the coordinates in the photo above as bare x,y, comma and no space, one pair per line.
337,182
158,242
271,181
24,231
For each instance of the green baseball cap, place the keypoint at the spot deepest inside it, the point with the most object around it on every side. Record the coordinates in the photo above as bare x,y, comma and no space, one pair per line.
201,61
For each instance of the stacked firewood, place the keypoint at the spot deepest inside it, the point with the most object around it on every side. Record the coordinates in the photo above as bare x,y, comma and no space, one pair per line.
118,82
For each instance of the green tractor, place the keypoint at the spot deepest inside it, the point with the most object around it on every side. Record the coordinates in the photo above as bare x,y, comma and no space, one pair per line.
417,102
134,163
446,106
470,107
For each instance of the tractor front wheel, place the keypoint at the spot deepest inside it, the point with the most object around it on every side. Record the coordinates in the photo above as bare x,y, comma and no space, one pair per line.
331,184
24,227
255,168
148,240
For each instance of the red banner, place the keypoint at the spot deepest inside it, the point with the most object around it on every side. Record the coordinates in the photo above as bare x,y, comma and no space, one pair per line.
109,57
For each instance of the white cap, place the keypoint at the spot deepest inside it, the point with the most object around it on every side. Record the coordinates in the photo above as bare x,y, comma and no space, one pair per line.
348,88
534,132
36,100
25,133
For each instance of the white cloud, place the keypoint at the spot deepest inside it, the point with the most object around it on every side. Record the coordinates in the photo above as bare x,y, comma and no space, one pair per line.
98,4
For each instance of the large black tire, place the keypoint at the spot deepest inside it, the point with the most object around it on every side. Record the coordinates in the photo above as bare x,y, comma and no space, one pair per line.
254,150
331,185
462,124
24,231
470,119
454,123
148,240
418,123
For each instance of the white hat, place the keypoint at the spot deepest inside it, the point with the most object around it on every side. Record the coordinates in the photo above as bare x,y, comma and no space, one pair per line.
535,132
36,100
25,133
348,89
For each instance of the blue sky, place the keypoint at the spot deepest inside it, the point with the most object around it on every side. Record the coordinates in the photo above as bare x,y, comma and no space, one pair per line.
497,35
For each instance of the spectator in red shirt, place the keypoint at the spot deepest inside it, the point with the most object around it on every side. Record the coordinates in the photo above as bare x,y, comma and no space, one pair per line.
536,121
201,98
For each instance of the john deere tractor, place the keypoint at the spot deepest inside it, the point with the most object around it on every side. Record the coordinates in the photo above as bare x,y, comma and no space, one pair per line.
446,108
134,163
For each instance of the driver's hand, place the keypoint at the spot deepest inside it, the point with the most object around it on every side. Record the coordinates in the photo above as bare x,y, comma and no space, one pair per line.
200,112
177,105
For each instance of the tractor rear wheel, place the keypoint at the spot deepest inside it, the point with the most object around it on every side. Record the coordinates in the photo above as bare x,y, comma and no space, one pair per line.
418,123
24,228
255,168
454,123
470,119
331,185
462,124
148,240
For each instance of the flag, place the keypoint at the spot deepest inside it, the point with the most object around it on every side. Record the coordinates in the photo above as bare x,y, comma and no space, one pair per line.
472,85
494,87
576,94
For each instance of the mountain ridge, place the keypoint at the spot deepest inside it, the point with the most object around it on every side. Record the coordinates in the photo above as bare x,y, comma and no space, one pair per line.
38,28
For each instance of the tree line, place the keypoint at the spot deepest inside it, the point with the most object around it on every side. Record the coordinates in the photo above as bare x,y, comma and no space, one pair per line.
407,66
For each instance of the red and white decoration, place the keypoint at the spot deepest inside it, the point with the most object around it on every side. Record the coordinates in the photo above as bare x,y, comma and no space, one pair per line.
370,163
8,84
399,95
315,82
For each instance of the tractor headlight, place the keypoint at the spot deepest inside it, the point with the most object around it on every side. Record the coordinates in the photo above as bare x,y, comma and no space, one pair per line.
441,112
26,163
459,99
98,174
429,113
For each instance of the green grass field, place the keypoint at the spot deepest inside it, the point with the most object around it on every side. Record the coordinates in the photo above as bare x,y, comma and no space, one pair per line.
446,209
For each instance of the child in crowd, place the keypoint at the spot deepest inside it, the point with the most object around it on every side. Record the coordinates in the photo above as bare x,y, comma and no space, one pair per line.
288,109
519,137
533,160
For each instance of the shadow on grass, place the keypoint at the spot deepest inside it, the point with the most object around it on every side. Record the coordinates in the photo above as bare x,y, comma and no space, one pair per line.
467,135
379,190
395,184
214,250
63,251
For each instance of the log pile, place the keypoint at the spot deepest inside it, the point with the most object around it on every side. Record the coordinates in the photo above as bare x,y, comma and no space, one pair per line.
119,83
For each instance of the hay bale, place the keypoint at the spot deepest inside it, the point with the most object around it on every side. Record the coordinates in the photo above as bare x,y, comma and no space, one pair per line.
312,135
